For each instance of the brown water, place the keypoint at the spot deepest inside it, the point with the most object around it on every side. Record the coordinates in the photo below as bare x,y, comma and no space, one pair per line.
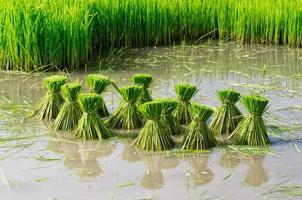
37,163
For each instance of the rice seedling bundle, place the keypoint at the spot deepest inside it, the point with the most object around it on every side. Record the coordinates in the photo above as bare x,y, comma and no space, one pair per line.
49,106
227,116
70,112
143,80
127,115
90,125
153,136
98,84
251,130
184,93
197,134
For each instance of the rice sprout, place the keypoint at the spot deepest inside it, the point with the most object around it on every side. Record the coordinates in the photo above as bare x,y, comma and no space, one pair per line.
143,80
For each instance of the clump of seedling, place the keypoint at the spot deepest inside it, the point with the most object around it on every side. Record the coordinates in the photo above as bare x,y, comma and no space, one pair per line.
197,135
98,84
184,93
143,80
251,130
227,116
153,136
90,125
70,112
127,115
50,104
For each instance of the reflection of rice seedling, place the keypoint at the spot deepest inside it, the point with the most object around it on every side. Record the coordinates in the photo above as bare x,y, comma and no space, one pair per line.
256,174
70,112
251,130
153,136
98,84
228,116
143,80
184,93
127,115
197,135
229,160
90,125
50,104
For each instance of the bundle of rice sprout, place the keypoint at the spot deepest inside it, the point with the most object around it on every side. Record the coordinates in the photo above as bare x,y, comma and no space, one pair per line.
184,93
70,112
98,84
227,116
127,115
49,106
197,135
168,120
153,136
251,130
90,125
143,80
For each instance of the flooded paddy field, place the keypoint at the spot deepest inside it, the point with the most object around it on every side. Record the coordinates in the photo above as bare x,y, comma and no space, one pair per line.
38,163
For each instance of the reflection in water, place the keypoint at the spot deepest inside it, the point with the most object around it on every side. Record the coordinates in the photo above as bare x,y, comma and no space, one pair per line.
82,155
130,153
229,160
256,175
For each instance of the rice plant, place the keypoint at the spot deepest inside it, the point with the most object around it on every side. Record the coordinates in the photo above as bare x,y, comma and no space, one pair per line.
251,130
184,93
143,80
98,84
127,115
227,116
197,134
49,105
90,125
70,112
153,136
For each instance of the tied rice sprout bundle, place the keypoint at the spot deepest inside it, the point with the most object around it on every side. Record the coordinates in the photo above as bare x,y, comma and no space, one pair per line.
70,112
90,125
153,136
50,104
127,115
198,135
251,130
98,84
184,93
143,80
227,116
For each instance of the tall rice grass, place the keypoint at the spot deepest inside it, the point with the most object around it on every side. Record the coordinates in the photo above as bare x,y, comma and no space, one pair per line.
38,34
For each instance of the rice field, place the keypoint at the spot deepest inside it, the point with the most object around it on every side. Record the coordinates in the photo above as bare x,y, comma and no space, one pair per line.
71,34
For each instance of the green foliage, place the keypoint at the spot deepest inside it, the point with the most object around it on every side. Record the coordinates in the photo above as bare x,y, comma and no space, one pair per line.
90,125
143,80
49,106
251,130
197,135
227,116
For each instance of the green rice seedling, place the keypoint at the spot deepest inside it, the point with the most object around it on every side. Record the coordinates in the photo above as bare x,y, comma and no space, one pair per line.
197,135
143,80
98,84
90,125
49,106
251,130
184,93
153,136
227,116
127,115
70,113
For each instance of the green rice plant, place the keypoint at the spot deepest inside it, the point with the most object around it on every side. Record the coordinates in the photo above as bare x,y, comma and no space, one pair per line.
98,84
90,125
197,135
184,93
70,113
153,136
227,116
127,115
251,130
49,106
143,80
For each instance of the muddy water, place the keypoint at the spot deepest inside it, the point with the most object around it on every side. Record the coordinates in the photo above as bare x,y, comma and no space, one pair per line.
37,163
